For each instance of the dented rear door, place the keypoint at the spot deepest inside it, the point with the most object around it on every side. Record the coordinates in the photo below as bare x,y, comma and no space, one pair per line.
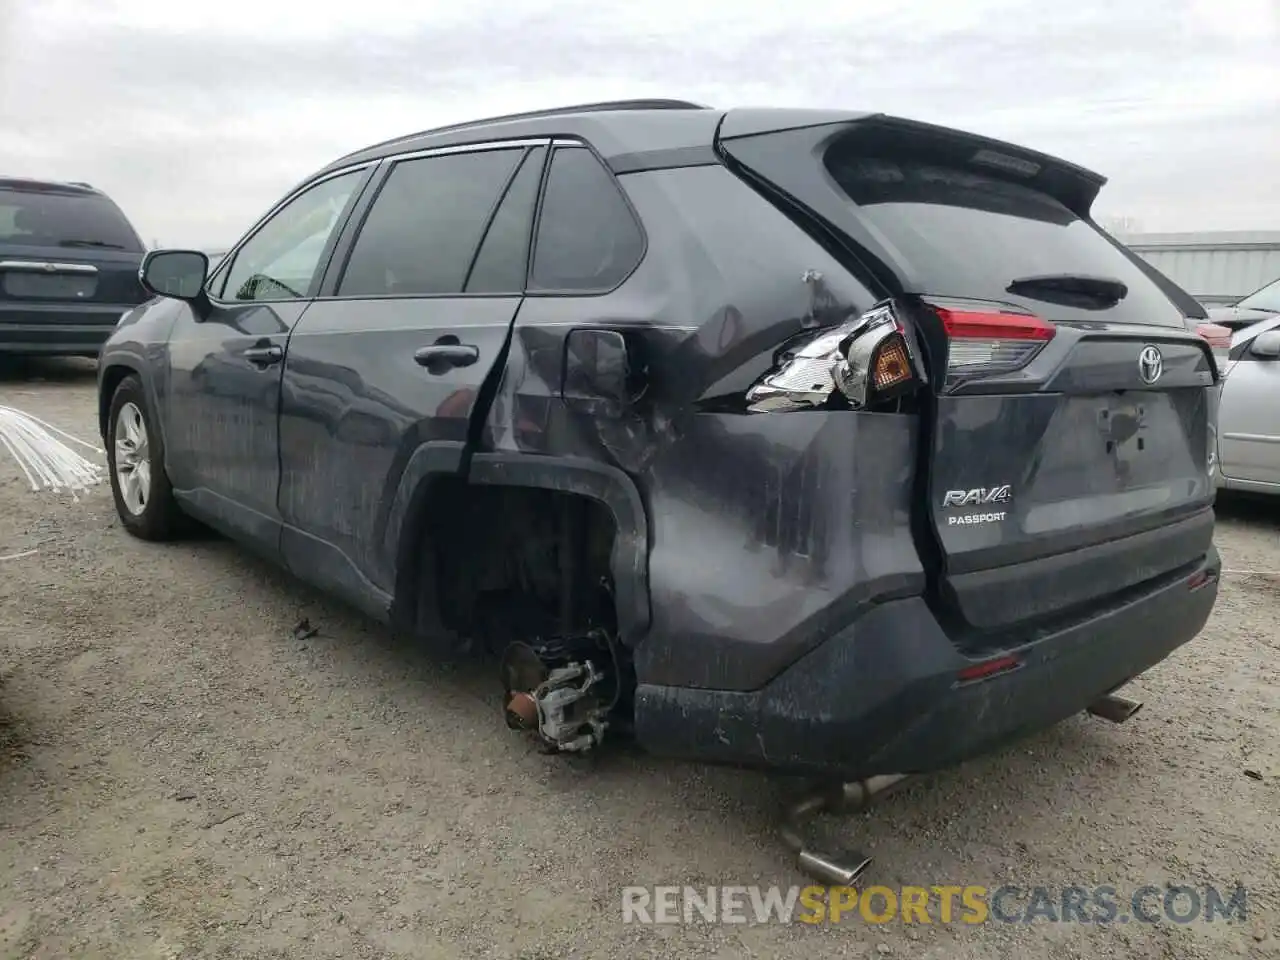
395,357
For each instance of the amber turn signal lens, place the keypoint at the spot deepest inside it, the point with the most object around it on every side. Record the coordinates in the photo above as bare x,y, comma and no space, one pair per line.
892,365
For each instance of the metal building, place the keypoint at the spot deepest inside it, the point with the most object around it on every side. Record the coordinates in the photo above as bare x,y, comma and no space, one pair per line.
1215,268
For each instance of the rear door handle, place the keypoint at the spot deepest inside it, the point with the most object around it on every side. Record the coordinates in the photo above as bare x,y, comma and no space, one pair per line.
264,356
440,356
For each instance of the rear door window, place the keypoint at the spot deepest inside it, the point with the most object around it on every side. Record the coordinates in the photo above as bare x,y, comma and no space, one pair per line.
588,238
966,233
503,258
41,216
422,231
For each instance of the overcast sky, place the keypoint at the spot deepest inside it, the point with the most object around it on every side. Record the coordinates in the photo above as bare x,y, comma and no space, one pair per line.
196,115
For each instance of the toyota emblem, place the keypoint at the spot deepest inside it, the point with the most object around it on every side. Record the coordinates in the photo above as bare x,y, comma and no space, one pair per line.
1150,365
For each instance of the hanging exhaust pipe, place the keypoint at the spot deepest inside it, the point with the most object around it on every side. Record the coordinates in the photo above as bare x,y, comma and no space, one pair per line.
1115,708
834,868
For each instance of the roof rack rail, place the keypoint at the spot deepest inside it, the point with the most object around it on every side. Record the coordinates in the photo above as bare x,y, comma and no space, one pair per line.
600,107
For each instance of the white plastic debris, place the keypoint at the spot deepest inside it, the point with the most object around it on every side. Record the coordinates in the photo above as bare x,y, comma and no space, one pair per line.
47,462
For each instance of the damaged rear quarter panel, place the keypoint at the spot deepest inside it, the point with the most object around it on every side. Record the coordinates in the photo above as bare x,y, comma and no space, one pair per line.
764,533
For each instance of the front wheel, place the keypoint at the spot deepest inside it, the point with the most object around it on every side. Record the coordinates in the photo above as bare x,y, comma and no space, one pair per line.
135,458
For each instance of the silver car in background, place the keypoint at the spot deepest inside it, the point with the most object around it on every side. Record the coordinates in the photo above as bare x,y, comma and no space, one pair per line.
1259,305
1249,410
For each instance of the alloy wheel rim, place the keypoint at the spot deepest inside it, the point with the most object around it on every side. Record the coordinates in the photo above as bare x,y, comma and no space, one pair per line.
133,459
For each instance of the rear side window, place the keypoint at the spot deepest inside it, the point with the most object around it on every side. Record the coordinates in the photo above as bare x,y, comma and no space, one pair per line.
50,217
588,238
967,233
423,229
503,258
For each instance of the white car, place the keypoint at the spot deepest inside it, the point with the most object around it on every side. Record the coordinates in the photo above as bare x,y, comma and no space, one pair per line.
1249,411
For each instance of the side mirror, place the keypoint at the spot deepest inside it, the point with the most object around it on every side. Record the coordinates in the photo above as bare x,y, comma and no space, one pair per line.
1266,346
598,374
179,274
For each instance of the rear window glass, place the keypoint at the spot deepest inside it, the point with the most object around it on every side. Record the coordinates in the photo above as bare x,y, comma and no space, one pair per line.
38,218
970,234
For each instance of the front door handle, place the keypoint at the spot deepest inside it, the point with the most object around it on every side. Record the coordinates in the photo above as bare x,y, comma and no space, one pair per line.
264,356
441,356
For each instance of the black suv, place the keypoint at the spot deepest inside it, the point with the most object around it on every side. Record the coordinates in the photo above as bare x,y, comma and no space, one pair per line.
826,442
69,262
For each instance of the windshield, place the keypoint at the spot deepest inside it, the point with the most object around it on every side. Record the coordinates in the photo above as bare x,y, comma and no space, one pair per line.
45,217
1268,298
969,234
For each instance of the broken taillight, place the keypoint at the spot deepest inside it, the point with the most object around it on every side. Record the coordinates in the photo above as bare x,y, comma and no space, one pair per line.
867,360
989,341
892,364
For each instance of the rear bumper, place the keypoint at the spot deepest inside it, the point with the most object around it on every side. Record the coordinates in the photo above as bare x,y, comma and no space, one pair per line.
882,696
56,329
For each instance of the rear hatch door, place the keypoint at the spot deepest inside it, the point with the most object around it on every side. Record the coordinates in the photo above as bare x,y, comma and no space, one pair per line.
1067,446
64,251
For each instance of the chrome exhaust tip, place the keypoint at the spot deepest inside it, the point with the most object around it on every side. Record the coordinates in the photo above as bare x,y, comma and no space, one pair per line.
841,868
835,870
1114,708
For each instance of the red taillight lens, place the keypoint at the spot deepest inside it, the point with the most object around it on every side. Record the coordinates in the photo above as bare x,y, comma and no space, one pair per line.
989,668
983,342
1219,339
1198,580
1216,334
976,325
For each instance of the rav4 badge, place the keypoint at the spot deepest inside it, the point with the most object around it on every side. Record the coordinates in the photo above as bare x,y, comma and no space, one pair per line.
978,496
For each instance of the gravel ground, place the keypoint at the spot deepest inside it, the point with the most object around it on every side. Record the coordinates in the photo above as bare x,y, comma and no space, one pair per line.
179,776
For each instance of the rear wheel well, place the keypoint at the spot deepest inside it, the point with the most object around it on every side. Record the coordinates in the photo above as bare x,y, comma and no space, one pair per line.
493,564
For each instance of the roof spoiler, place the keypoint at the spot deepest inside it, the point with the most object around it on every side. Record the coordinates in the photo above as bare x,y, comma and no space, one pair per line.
1073,186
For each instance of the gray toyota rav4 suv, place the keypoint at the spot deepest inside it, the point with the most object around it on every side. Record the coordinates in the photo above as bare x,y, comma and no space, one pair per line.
824,442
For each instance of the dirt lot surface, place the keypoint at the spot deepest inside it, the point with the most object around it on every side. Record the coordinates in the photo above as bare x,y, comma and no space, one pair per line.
180,776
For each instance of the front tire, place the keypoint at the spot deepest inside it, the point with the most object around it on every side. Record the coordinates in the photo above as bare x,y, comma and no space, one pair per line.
135,460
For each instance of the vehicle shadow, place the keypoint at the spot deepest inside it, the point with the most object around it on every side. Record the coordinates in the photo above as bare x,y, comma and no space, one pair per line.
1252,508
17,369
12,735
986,811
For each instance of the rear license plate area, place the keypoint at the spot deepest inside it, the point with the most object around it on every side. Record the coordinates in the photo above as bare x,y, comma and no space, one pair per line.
1122,425
22,285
